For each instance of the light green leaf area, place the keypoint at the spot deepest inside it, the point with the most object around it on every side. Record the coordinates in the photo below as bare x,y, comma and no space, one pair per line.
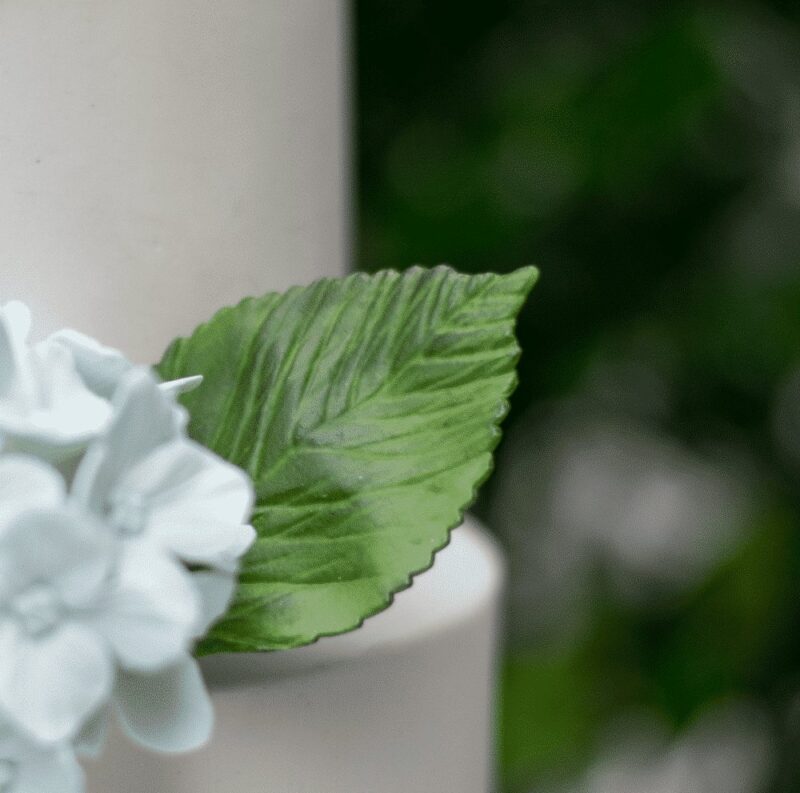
365,409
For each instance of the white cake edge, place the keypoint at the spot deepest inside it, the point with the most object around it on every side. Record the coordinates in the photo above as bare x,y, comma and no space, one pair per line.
467,577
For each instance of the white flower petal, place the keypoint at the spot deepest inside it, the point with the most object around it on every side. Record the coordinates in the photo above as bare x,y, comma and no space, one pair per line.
61,549
27,482
53,771
68,412
187,474
152,612
15,321
32,768
91,740
16,381
101,368
198,541
18,319
7,366
145,418
169,711
216,591
49,684
197,503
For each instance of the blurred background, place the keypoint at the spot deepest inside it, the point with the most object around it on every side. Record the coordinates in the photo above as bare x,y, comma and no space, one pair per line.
646,156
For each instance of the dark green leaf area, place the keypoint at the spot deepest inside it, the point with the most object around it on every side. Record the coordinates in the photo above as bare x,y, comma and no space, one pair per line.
366,410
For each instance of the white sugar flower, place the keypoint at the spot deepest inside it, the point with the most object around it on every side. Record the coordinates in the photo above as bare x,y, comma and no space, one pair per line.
45,406
103,368
98,609
161,491
75,603
152,483
55,395
27,767
169,710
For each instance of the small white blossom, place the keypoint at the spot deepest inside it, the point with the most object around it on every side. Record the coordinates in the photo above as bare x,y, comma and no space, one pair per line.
112,565
27,767
45,407
149,481
103,368
55,395
169,710
159,490
75,604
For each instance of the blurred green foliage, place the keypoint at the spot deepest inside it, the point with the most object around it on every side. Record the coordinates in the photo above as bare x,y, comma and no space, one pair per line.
647,158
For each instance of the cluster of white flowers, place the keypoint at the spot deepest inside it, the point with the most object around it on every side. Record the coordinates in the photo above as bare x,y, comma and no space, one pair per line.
120,541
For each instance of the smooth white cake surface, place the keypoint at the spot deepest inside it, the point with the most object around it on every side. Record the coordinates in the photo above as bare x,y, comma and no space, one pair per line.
163,158
402,704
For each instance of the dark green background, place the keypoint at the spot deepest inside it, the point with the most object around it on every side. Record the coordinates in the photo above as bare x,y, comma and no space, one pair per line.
646,156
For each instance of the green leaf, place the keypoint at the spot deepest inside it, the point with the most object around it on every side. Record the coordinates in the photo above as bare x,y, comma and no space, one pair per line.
365,410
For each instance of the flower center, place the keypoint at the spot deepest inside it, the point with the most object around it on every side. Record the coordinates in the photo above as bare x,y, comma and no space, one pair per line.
129,514
39,609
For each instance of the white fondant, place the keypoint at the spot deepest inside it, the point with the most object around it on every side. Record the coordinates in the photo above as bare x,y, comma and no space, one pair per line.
160,159
402,704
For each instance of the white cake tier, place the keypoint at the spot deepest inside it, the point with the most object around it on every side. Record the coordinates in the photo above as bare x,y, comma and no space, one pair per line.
402,704
163,158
